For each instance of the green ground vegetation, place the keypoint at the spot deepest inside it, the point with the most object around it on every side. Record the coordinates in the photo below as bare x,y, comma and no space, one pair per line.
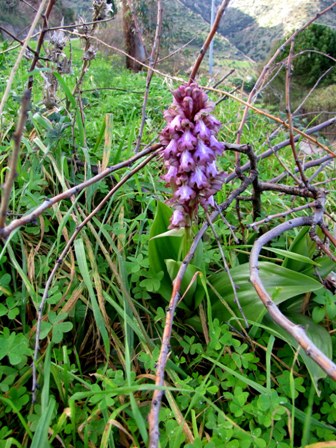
227,386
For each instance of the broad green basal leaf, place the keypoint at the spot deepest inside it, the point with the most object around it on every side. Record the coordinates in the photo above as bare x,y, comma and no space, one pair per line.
166,245
192,281
281,284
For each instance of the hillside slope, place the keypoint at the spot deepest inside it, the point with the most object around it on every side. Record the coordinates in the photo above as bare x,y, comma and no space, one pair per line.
254,26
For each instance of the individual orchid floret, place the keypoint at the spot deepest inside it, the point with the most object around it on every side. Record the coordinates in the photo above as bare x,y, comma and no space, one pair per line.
187,141
190,149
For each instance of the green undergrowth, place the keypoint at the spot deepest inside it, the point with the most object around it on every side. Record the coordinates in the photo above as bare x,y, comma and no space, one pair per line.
226,385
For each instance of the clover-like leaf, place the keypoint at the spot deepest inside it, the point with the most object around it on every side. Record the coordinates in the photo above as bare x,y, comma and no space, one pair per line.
15,346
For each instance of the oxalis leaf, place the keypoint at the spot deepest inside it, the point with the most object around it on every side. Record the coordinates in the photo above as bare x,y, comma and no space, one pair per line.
15,346
281,284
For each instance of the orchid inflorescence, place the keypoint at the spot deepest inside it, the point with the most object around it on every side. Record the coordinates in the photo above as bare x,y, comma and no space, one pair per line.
190,151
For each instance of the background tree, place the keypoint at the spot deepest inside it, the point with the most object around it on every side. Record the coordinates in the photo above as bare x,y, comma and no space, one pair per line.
134,45
313,46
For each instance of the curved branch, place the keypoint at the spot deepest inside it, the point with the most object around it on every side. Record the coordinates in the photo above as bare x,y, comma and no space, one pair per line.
294,330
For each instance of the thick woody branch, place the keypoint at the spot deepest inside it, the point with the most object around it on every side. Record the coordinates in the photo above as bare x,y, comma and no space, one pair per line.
287,189
247,149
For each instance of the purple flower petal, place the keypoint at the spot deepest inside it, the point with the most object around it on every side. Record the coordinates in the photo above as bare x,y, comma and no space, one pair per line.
188,106
206,202
217,146
212,123
175,124
217,182
170,175
184,194
187,141
171,150
203,153
198,178
203,113
202,130
200,99
178,219
187,162
211,169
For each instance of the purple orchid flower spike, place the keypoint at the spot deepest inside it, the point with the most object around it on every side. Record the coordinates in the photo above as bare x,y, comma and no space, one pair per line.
190,151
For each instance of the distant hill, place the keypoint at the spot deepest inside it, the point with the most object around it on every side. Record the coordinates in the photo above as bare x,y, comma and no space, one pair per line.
17,16
254,26
247,31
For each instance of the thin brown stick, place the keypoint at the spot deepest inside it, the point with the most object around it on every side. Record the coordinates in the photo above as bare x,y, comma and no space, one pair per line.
29,5
289,114
329,235
11,174
281,215
40,41
20,56
320,244
211,35
31,217
153,417
224,78
152,62
21,42
176,51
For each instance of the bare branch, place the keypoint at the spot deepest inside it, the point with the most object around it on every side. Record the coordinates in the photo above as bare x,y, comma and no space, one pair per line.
152,62
20,56
11,174
296,331
265,71
31,217
40,41
63,255
153,417
289,114
211,35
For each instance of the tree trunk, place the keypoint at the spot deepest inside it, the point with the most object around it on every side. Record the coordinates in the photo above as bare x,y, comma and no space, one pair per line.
134,46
